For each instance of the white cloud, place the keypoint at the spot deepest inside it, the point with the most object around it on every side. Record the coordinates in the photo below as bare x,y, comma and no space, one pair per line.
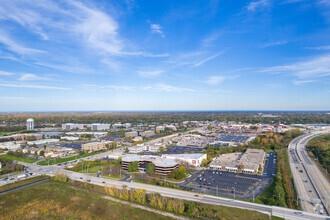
15,47
201,62
150,73
126,88
98,29
311,68
156,28
253,6
4,73
31,77
319,48
67,68
276,43
167,88
300,82
31,86
214,80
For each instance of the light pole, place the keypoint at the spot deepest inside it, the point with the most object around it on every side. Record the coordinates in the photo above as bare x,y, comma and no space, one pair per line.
234,192
253,195
217,190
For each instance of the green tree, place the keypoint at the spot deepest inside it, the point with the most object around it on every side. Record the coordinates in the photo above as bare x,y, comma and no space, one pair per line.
204,162
179,173
133,166
150,168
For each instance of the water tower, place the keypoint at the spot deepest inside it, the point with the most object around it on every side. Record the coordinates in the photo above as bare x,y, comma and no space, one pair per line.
30,124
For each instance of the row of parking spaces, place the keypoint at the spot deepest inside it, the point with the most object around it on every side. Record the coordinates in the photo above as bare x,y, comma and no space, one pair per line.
178,149
225,181
270,165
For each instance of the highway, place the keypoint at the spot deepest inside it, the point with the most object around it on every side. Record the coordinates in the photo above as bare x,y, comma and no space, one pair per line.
312,185
310,173
179,194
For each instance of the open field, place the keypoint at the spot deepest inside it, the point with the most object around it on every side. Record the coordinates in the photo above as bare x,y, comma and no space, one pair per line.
23,159
54,200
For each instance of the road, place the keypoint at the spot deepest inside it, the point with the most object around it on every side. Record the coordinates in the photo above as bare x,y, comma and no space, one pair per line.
312,185
180,194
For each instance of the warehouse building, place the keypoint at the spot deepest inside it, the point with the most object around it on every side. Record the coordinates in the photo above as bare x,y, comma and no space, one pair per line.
251,161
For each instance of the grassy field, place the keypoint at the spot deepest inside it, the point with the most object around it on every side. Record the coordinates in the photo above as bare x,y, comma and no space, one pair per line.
112,177
55,200
21,183
23,159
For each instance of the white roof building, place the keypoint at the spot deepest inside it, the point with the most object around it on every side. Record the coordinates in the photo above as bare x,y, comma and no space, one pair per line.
191,159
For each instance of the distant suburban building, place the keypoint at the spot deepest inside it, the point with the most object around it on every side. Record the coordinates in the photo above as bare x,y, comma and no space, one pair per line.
131,134
10,146
93,146
99,127
71,126
146,133
30,124
120,126
94,126
191,159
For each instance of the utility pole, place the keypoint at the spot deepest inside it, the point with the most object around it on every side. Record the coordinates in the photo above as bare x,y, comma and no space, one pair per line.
253,195
297,199
234,193
217,190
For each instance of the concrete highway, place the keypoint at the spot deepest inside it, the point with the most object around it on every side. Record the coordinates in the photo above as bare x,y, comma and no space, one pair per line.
271,210
303,187
312,185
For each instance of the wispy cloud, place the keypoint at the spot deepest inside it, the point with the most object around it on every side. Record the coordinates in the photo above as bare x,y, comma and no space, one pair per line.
106,87
318,48
16,47
300,82
214,80
255,5
273,44
67,68
126,88
4,73
156,29
150,73
31,86
311,68
207,59
167,88
32,77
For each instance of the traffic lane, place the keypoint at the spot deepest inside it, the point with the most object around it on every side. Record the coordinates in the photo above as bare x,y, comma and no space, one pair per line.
204,198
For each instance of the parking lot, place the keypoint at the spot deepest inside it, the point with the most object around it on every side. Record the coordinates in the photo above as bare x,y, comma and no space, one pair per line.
182,150
231,184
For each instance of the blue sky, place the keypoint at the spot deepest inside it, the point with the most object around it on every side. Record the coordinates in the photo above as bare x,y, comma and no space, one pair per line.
164,55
